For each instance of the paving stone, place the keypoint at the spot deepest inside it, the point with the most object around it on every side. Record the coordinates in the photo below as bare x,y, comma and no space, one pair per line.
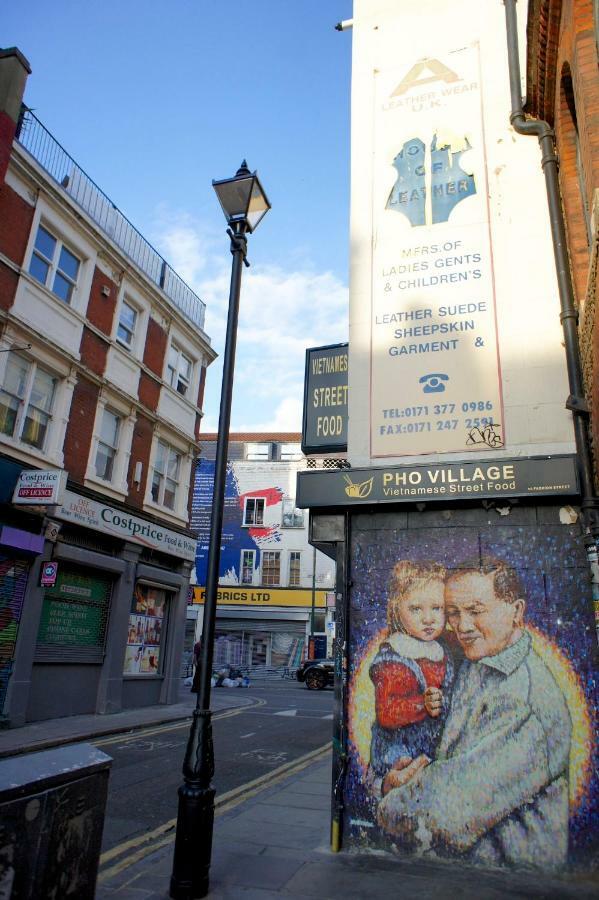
310,818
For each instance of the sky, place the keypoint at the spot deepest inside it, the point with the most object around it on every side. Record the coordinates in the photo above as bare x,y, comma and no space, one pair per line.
154,99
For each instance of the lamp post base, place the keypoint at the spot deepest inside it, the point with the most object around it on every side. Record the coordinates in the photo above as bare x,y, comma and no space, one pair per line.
193,846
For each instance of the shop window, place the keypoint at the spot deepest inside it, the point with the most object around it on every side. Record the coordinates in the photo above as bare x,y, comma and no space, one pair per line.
26,401
108,443
165,475
292,516
74,617
295,557
271,567
253,511
248,562
128,317
179,370
146,634
54,265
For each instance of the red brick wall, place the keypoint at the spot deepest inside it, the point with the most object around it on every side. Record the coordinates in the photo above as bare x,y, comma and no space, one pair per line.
80,428
148,391
8,286
16,216
93,351
155,348
141,446
100,309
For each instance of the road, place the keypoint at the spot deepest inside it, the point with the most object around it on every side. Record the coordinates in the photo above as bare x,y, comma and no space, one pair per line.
280,722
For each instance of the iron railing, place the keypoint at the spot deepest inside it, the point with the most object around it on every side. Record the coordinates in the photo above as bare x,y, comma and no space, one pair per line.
55,160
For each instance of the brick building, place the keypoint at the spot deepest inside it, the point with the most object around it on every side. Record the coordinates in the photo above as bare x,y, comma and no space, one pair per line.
563,89
102,369
275,590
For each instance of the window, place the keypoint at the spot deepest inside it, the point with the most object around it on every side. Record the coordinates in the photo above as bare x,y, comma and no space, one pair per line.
271,567
253,513
108,443
292,516
53,265
127,323
290,452
257,451
165,475
294,568
178,370
26,400
247,566
145,637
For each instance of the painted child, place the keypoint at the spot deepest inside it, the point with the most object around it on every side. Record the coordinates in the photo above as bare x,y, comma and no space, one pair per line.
412,673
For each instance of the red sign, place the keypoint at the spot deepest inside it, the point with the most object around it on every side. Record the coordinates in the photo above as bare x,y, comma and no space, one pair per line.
49,573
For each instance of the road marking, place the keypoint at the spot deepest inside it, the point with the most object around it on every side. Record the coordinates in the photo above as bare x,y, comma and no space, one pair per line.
286,712
328,717
165,834
148,732
249,734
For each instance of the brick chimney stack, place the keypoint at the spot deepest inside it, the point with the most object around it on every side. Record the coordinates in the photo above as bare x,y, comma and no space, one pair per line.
14,70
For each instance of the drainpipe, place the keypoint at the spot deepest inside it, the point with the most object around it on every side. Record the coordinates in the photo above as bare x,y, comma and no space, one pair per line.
576,402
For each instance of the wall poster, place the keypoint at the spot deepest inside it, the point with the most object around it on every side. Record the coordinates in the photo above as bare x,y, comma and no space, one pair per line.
435,379
146,631
472,695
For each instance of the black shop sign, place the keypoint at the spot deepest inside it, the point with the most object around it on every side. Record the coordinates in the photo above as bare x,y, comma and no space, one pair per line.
324,427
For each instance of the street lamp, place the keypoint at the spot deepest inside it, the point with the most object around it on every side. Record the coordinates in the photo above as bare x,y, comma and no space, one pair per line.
244,204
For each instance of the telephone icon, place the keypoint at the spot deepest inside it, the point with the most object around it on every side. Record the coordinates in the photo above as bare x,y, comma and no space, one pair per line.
433,383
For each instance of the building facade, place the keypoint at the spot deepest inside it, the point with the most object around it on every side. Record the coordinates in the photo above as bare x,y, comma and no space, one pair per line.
463,528
273,586
562,88
102,367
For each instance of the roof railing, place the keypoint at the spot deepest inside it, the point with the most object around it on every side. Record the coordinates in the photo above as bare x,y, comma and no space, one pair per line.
55,160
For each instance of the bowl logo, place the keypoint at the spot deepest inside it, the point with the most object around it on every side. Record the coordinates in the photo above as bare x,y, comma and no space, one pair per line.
358,491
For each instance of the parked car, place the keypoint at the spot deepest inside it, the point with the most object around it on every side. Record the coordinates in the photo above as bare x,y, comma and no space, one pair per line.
316,673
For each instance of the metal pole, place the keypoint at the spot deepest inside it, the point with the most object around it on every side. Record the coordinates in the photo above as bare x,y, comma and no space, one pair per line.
312,612
195,818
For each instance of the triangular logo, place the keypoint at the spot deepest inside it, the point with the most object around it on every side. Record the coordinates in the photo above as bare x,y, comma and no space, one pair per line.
437,71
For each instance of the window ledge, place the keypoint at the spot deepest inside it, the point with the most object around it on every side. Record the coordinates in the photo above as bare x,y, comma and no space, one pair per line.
165,513
105,487
28,454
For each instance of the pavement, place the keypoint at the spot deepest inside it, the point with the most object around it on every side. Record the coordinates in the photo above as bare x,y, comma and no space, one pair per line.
271,839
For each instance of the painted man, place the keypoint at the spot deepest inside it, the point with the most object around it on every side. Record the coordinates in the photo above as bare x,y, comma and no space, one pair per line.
497,791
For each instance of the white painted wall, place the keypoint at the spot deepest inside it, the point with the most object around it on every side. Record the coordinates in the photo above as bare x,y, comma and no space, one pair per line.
388,34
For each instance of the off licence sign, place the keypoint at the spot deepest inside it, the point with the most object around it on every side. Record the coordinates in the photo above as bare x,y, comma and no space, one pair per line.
39,487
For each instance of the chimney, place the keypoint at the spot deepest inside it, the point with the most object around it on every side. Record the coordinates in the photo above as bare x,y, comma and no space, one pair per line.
14,70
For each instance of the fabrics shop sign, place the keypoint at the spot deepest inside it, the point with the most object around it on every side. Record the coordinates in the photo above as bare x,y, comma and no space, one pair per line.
435,384
120,524
519,477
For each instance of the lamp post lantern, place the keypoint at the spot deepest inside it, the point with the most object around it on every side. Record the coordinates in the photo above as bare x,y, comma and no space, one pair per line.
244,204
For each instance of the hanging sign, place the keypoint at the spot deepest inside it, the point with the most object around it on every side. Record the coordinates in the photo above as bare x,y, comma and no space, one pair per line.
324,426
38,487
435,385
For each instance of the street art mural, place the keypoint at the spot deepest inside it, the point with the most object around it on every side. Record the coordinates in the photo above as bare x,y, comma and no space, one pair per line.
472,696
236,538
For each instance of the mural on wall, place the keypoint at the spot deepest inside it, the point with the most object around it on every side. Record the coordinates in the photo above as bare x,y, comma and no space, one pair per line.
472,696
235,537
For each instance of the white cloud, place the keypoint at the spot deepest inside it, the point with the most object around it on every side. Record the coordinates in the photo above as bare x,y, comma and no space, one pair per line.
282,312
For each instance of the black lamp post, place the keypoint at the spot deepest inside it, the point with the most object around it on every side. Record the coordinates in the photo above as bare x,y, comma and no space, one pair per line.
244,204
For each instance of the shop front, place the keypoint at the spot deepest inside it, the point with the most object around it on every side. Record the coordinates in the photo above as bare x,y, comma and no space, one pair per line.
105,615
258,629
